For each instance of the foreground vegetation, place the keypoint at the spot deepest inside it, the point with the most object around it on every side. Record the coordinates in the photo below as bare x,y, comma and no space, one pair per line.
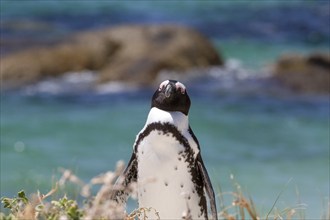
99,206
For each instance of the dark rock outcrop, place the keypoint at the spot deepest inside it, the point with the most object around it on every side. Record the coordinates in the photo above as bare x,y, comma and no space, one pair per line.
131,53
305,73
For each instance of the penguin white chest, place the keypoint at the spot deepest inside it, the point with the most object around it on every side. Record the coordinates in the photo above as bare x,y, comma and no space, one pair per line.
164,177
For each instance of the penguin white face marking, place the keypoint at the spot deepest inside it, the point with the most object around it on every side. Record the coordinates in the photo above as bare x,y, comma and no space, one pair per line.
179,86
163,84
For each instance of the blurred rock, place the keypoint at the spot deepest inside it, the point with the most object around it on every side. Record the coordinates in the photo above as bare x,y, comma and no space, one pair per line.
33,65
309,73
132,53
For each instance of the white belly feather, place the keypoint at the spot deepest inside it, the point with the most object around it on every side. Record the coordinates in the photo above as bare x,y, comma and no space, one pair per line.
164,181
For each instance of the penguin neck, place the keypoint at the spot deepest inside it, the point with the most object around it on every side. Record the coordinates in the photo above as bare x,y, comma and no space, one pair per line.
175,118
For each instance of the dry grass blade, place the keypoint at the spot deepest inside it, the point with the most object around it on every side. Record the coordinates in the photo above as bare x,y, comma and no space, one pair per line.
277,198
141,214
41,197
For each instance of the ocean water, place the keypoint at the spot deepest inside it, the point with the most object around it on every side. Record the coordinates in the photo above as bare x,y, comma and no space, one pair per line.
250,127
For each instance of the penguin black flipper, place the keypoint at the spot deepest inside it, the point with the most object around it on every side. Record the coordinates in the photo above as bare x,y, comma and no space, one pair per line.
205,178
207,185
129,175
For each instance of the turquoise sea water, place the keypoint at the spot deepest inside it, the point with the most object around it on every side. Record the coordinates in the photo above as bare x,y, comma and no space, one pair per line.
270,139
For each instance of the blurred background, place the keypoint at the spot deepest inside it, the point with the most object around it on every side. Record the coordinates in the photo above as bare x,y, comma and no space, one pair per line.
77,79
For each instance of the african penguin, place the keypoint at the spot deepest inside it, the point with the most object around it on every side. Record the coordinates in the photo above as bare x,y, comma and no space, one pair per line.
166,160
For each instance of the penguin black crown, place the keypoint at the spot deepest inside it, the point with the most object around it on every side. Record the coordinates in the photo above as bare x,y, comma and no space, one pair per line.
166,162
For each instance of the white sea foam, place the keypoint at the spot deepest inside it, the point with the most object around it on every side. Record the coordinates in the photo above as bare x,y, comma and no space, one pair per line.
71,82
75,83
114,87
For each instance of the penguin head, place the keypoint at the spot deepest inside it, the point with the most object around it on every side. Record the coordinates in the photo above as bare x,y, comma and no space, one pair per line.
171,96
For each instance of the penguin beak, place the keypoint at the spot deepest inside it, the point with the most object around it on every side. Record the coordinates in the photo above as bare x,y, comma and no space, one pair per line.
169,90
